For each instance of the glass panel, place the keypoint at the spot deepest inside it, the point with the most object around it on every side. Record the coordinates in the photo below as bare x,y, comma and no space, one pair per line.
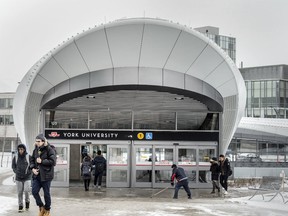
191,176
118,156
190,121
205,155
143,176
164,156
204,176
187,157
118,175
110,120
144,156
162,176
66,119
154,120
62,155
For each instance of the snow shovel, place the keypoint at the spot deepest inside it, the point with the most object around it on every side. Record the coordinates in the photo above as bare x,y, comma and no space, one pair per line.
161,191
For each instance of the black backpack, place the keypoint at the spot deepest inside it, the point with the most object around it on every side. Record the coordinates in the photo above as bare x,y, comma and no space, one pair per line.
99,167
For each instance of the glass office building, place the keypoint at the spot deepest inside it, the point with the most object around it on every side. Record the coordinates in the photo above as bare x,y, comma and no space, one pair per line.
264,143
228,44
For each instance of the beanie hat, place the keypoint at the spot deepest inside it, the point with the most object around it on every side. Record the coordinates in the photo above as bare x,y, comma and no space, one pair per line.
41,137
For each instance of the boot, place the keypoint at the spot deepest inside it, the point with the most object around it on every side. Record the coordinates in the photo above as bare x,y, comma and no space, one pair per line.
47,213
27,204
213,191
20,209
41,211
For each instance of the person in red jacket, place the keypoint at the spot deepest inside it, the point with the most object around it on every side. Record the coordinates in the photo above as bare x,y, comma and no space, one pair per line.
182,181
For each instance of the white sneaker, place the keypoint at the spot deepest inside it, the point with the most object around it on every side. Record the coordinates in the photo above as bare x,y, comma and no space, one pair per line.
225,192
99,187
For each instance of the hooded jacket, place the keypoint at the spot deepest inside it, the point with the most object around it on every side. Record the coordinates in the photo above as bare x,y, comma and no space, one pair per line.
20,165
179,174
48,157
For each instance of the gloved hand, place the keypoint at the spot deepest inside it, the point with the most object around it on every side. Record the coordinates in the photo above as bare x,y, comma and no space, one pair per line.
172,184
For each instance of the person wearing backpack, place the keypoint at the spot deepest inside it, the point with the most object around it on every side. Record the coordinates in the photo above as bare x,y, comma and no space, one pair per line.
42,163
86,169
100,166
20,166
224,172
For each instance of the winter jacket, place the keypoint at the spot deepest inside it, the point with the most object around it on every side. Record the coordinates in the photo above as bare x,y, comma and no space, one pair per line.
48,157
86,162
179,174
225,167
99,159
215,171
20,165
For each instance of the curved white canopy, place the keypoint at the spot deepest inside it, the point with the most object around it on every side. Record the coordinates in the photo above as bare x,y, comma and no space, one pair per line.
139,51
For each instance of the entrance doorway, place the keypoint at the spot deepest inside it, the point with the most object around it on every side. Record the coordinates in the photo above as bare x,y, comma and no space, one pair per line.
153,164
91,150
61,170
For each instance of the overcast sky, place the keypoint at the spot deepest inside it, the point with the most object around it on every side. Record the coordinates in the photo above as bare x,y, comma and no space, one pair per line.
31,28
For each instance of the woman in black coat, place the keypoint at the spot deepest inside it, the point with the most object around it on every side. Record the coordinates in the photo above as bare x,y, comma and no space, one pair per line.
86,169
215,171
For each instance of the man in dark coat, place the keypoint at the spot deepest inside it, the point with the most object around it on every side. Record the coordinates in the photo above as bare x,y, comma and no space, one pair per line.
182,181
20,166
42,164
99,163
215,171
224,172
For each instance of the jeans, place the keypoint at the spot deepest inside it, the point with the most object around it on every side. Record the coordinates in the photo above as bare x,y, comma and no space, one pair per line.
183,184
98,176
37,184
223,181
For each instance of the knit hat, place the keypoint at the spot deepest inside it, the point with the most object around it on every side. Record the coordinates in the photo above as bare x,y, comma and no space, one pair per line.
41,137
213,159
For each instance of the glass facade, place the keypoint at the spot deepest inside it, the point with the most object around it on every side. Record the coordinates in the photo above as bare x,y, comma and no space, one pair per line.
267,99
128,120
6,103
228,44
251,151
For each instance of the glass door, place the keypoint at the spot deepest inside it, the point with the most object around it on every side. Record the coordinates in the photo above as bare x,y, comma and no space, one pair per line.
142,174
61,170
118,172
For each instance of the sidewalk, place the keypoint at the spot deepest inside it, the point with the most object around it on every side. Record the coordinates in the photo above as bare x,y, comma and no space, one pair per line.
138,201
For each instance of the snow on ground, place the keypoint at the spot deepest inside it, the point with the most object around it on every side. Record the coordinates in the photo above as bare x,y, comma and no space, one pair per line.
142,206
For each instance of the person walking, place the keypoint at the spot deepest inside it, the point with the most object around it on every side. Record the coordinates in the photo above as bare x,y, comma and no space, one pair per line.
224,172
182,181
21,168
99,163
215,172
86,169
42,163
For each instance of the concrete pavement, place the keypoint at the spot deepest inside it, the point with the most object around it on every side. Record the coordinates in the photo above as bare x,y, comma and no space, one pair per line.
138,201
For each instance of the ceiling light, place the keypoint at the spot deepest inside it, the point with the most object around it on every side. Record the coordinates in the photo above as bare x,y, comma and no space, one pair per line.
179,98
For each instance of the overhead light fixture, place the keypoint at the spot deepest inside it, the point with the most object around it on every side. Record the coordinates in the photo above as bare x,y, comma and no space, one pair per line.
90,96
179,98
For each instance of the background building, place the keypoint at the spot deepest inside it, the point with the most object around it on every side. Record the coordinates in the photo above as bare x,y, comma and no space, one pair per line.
228,44
8,134
261,138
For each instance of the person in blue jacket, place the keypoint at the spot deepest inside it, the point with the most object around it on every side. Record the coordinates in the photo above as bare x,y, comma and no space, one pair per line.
182,181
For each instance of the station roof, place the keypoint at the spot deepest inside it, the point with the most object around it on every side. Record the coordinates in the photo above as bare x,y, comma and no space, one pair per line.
129,52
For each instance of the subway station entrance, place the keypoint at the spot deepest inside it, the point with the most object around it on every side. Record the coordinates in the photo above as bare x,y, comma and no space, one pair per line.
136,163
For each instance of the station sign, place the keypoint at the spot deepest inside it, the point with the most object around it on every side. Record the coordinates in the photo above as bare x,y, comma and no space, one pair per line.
131,135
